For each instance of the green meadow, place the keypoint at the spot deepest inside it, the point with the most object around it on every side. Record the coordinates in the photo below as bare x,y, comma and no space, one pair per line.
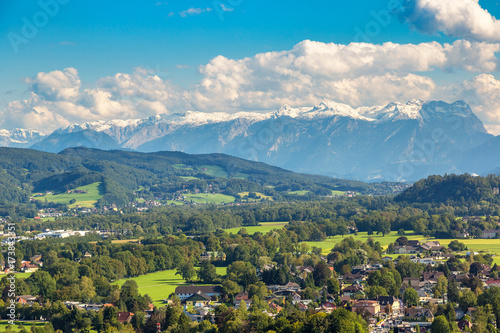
207,198
160,285
89,199
264,227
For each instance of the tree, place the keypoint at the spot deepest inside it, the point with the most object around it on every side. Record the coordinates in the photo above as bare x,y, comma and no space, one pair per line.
410,297
467,300
242,273
453,291
186,270
440,287
321,274
43,284
87,289
207,272
333,286
440,325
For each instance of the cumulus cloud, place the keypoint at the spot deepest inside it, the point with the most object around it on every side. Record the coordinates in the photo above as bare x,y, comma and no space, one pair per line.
357,74
482,93
456,18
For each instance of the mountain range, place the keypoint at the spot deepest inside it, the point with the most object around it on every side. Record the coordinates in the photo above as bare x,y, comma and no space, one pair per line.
395,142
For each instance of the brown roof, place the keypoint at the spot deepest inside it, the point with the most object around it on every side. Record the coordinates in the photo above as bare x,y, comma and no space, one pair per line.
125,317
195,289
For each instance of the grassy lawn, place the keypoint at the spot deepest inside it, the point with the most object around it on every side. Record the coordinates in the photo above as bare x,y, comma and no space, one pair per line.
264,227
188,178
182,166
209,198
88,199
214,170
262,197
174,202
302,192
330,242
27,325
339,193
161,284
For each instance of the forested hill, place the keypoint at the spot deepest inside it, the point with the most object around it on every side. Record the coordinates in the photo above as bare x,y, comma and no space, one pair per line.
453,190
123,175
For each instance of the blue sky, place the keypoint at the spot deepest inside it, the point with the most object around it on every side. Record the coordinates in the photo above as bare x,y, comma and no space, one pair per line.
172,39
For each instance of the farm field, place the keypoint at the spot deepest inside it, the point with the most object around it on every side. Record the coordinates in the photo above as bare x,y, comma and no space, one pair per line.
262,196
478,245
15,328
89,199
207,198
330,242
302,192
188,178
264,227
339,193
160,285
214,170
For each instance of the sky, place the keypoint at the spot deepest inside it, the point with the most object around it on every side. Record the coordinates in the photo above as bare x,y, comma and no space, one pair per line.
67,61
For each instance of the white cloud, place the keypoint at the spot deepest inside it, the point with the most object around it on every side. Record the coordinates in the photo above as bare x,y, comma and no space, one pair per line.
194,11
356,74
456,18
482,93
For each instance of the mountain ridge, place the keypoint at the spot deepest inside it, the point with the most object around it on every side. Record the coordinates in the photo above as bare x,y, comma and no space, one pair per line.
366,143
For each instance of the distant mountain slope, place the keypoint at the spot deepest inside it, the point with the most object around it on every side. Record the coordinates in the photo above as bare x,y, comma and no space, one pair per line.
161,175
396,142
19,138
453,190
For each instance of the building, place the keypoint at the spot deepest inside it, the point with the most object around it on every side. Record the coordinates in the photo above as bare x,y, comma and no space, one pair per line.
491,233
418,313
184,292
371,306
198,299
125,317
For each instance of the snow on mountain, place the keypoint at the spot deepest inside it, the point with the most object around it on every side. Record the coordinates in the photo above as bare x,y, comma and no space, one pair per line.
396,141
20,138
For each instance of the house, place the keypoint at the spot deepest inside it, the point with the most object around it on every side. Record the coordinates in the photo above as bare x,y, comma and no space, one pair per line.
490,233
184,292
432,276
418,313
87,255
371,306
275,307
431,246
384,301
198,299
295,297
464,325
242,296
213,255
411,282
125,317
36,258
26,299
406,249
352,290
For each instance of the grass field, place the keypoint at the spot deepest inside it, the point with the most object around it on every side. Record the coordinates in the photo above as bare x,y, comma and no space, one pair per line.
262,197
264,227
302,192
160,285
182,166
89,199
339,193
330,242
205,198
188,178
478,245
214,170
27,325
